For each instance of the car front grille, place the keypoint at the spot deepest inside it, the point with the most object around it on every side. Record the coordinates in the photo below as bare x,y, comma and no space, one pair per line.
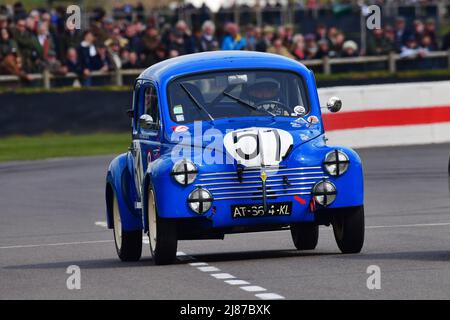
248,184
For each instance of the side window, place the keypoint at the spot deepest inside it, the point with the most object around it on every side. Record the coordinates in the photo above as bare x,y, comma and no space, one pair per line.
151,104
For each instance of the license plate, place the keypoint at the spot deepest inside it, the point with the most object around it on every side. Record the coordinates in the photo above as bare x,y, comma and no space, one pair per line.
252,210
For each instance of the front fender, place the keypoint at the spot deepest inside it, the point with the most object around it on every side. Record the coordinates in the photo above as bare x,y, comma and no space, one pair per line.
350,185
119,183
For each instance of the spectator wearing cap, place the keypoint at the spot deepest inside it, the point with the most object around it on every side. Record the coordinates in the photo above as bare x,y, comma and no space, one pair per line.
401,33
411,49
350,49
311,47
265,42
53,65
323,49
233,40
208,41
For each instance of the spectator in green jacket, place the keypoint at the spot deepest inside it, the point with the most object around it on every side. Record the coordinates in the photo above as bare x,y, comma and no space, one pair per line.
28,46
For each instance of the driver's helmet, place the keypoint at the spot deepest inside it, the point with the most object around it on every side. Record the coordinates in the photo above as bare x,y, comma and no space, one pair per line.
263,90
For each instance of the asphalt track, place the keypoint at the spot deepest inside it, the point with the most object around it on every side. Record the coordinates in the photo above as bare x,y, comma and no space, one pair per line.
51,215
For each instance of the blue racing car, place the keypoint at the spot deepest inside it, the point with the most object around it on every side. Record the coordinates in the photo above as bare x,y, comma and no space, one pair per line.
226,142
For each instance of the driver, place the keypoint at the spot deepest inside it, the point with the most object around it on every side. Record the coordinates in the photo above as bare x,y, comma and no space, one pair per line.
265,95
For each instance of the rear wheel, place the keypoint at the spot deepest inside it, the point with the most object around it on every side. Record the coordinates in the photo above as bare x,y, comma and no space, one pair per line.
128,243
162,234
305,235
348,228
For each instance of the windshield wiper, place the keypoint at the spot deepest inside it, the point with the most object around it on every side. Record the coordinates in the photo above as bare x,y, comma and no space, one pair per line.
245,103
197,104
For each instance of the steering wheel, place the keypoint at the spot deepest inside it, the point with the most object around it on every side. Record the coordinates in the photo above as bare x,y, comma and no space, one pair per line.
276,107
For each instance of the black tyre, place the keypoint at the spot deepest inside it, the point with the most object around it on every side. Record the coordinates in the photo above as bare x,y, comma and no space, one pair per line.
305,235
128,243
348,228
162,234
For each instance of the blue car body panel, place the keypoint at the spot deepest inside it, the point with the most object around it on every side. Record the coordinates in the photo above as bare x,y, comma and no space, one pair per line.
156,160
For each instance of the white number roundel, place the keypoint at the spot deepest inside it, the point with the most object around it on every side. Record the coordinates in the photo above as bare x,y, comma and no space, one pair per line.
258,146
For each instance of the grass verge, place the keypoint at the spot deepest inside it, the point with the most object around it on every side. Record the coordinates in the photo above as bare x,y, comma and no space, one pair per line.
62,145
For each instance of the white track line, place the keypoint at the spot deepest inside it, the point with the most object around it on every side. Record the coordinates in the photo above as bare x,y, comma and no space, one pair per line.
411,225
222,276
102,224
253,288
269,296
231,280
237,282
55,244
208,269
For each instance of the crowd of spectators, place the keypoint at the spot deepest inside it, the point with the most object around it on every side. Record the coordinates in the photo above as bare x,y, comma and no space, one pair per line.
33,41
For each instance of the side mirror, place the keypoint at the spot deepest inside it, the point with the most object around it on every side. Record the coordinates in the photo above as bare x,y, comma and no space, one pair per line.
146,121
334,104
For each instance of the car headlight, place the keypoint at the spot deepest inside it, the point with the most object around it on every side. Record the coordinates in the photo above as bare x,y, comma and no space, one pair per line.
324,193
200,200
184,172
336,163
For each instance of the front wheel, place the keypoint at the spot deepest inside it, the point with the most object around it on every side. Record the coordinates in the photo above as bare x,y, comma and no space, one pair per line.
162,234
128,243
348,228
305,235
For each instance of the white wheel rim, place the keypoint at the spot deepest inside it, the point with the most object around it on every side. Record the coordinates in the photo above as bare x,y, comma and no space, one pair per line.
117,224
152,220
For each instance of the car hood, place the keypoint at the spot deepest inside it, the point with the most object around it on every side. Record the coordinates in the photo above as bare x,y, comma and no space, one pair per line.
250,141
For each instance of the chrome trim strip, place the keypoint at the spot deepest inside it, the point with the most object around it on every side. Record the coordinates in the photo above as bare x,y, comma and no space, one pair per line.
259,185
256,169
250,177
260,191
268,196
256,182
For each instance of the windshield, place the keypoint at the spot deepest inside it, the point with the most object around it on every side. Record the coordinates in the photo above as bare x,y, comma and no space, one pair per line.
239,93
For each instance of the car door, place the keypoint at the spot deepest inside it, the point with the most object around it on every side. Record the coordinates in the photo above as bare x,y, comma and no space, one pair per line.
146,136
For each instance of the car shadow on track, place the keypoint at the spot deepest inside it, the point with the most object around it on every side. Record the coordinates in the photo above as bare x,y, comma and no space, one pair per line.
255,255
436,256
90,264
148,262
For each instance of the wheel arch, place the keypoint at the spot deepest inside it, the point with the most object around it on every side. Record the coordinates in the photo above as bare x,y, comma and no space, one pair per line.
119,184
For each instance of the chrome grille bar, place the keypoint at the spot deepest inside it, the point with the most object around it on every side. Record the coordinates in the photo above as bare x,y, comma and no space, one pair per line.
252,177
260,197
259,169
259,185
257,181
269,191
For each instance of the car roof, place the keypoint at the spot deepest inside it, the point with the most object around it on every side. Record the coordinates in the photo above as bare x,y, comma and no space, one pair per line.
216,60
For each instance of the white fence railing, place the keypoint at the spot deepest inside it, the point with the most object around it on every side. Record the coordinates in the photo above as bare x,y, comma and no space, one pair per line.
326,63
